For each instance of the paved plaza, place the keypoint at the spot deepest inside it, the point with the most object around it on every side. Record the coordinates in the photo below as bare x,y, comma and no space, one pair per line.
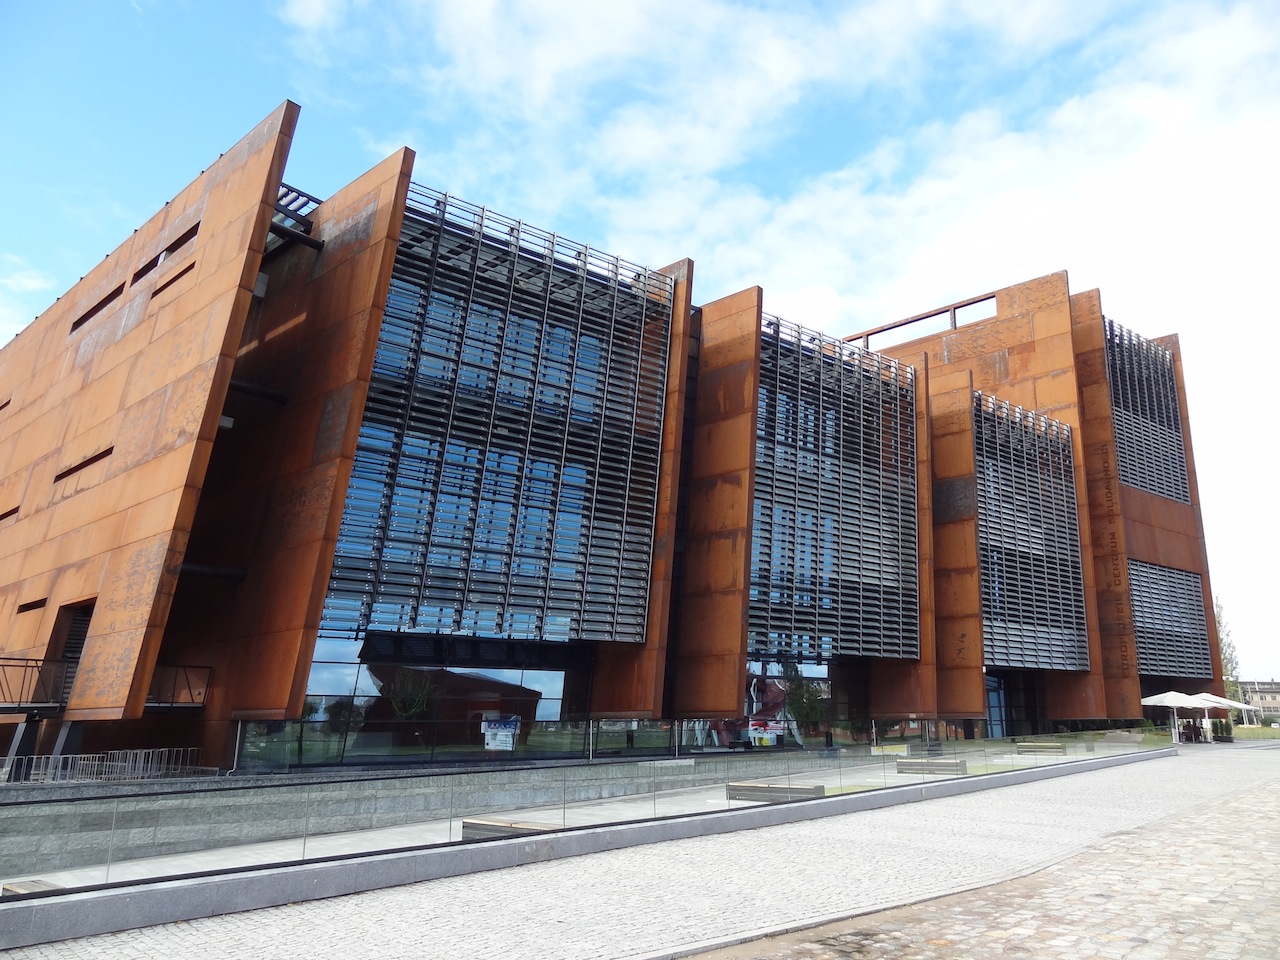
1203,886
1167,858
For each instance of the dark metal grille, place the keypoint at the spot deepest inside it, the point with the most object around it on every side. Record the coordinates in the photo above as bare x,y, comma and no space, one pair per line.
293,213
834,554
505,481
1148,419
1169,621
1028,540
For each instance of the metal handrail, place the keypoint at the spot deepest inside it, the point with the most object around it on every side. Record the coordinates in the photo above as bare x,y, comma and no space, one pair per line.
30,684
177,685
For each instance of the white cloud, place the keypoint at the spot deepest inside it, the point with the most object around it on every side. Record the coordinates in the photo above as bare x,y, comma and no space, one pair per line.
1159,187
608,96
23,293
984,143
1153,181
314,15
25,281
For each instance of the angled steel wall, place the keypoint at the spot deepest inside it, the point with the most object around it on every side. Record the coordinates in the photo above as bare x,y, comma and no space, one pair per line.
110,404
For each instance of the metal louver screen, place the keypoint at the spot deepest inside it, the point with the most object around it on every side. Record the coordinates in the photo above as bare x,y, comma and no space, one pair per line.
1148,419
833,546
1169,621
506,476
1028,540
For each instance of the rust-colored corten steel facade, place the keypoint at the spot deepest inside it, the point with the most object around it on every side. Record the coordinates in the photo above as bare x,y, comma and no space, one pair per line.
630,679
172,436
112,405
179,435
713,626
248,601
1049,356
348,479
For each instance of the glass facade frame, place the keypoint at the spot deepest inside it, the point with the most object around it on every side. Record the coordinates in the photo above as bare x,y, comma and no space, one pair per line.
506,474
834,543
1029,557
1169,621
1150,452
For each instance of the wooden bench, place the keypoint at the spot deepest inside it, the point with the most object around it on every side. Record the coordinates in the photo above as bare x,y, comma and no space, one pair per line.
934,765
481,828
1032,746
27,886
774,792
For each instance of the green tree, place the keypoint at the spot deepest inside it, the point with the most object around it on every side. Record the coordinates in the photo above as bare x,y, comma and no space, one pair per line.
807,700
1227,650
342,715
411,693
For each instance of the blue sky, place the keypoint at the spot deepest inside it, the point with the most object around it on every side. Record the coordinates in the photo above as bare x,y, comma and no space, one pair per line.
860,161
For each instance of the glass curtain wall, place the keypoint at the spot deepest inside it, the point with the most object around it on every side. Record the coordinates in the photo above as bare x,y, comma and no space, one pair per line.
504,489
834,553
1148,418
1169,621
1029,558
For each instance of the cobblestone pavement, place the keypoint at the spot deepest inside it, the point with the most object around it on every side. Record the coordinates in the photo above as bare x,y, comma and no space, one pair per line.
1205,886
1166,860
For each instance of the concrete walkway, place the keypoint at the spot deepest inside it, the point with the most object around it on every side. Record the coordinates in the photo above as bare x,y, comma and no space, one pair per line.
1205,813
836,775
1202,886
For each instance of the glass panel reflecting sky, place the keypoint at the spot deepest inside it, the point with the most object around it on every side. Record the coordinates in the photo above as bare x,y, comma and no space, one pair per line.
506,474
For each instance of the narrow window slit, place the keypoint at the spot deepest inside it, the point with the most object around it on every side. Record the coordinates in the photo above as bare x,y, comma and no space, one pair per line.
100,455
97,308
166,253
174,279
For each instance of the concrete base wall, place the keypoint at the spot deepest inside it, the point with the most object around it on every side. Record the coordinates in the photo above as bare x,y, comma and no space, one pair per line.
74,828
124,907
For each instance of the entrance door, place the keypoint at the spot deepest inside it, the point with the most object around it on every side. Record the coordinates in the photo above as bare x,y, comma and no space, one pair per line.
997,708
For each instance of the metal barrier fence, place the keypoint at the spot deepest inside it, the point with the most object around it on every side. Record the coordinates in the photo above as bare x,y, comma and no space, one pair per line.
115,765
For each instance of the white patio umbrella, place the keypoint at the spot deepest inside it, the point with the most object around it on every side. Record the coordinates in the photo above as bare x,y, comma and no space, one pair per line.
1215,702
1173,700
